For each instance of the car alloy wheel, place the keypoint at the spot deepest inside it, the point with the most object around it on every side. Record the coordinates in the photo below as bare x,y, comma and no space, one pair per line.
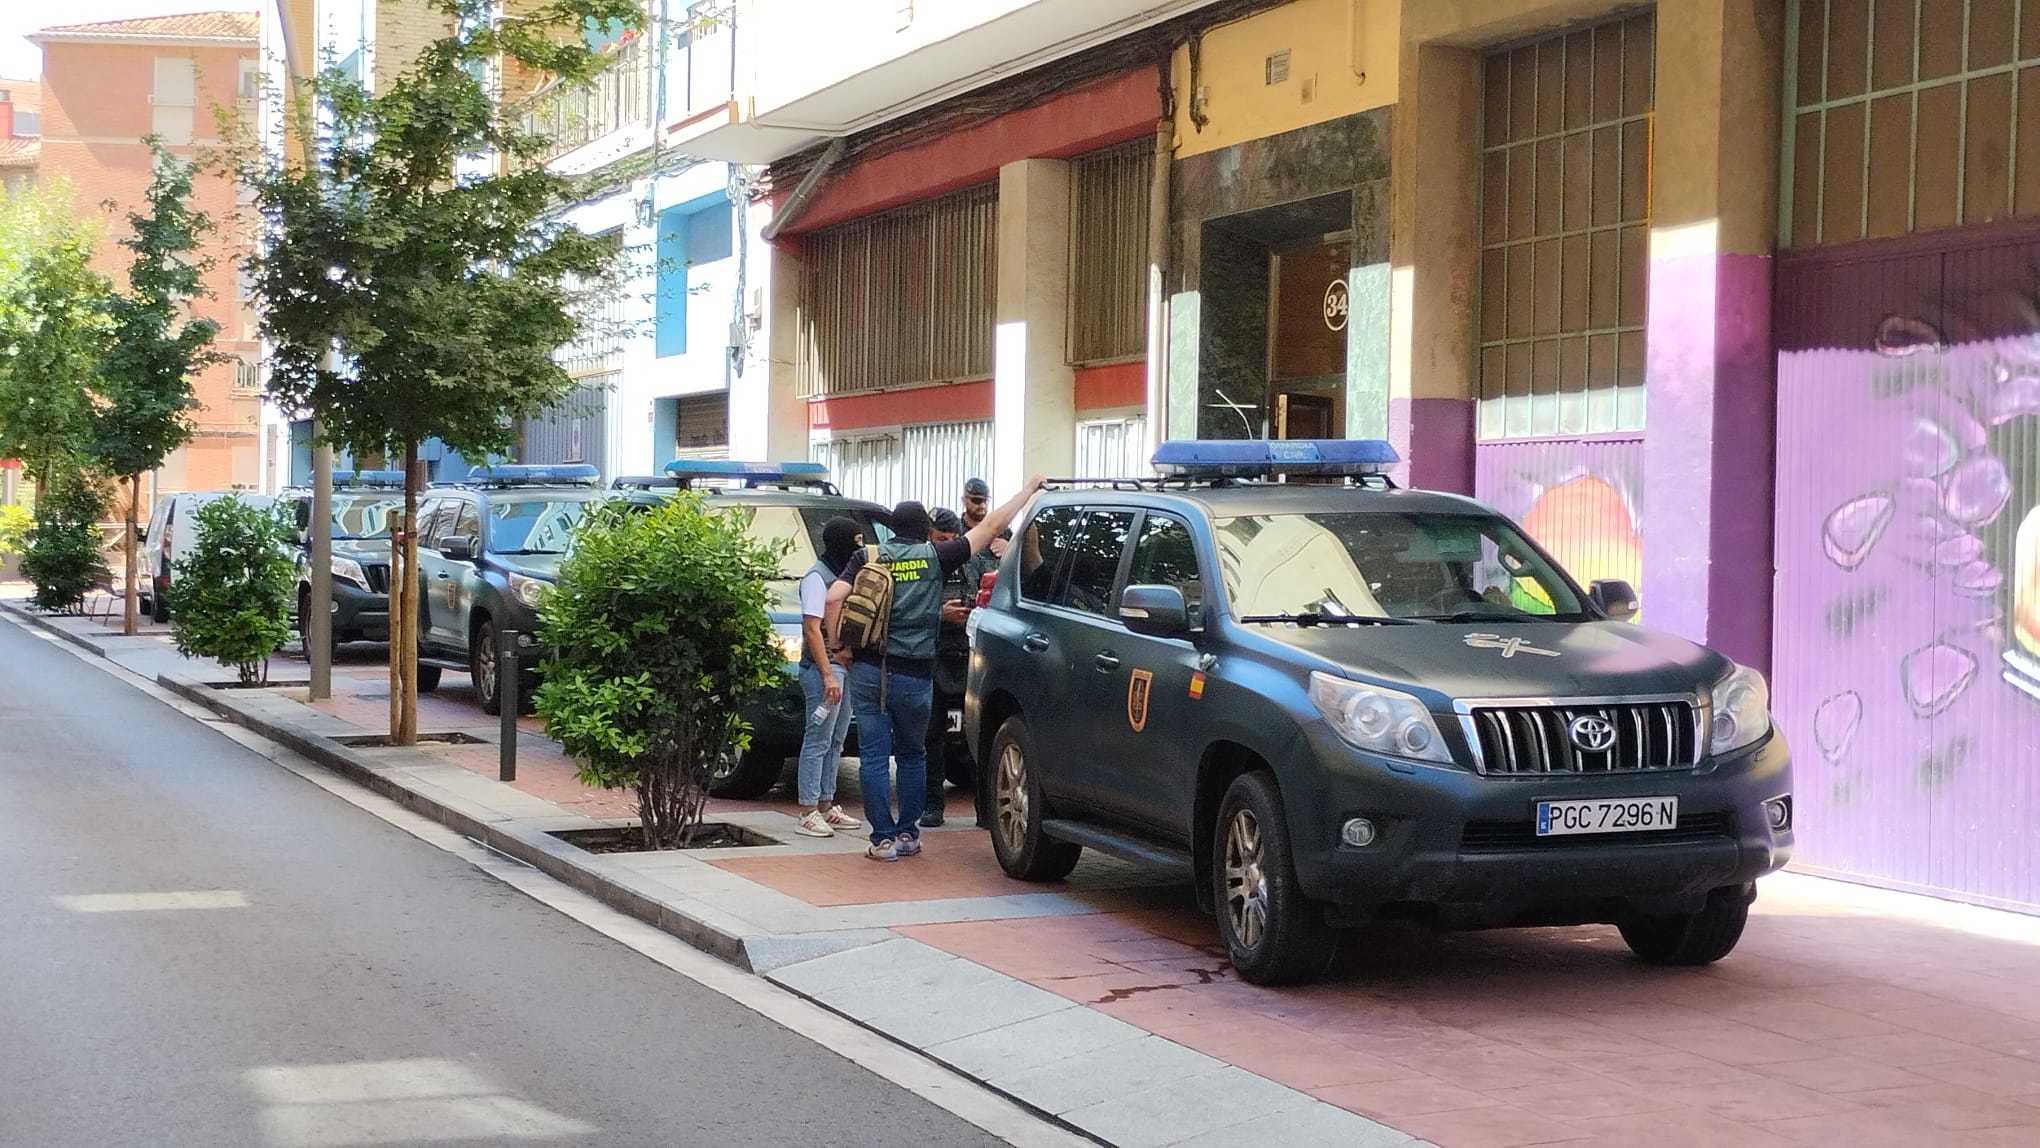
1246,879
482,665
1010,815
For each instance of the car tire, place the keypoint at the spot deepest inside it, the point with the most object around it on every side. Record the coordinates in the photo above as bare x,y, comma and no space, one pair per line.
1692,938
159,607
751,774
482,667
428,679
303,622
1273,934
1017,811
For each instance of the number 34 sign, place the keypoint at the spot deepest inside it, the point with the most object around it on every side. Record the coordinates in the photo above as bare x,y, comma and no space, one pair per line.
1335,305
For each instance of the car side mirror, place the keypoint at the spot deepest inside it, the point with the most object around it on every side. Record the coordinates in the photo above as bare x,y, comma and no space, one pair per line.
1156,611
1613,597
459,548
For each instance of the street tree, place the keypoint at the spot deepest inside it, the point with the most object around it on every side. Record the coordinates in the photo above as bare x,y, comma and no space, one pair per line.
413,282
53,331
143,400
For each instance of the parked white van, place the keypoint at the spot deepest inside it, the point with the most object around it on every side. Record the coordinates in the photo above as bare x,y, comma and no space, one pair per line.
167,539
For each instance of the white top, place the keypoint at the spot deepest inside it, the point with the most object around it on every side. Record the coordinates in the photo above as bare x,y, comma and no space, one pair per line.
814,594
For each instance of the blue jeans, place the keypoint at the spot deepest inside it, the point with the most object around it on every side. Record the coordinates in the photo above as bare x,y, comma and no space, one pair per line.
888,701
821,742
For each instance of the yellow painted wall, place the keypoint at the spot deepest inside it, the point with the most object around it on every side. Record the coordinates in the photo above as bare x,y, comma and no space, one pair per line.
1342,60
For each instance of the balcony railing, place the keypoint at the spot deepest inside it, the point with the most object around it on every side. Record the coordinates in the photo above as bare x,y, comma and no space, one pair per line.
619,96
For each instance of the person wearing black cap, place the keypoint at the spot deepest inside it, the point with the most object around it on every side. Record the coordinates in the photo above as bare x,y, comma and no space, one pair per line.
952,665
891,689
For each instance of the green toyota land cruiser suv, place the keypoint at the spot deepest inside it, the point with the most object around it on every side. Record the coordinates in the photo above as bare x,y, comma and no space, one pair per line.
1331,701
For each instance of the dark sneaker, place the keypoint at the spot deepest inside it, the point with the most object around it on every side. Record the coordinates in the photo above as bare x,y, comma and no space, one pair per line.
931,819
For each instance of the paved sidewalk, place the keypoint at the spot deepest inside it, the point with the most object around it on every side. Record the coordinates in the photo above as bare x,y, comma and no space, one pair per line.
1848,1015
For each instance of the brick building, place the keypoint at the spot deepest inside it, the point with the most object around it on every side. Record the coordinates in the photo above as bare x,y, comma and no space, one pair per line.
20,127
104,87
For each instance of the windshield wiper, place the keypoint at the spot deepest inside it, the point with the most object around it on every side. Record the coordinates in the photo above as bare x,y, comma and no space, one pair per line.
1318,618
528,550
1483,617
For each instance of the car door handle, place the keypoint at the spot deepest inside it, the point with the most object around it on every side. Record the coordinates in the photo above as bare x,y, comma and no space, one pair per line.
1034,643
1106,662
442,575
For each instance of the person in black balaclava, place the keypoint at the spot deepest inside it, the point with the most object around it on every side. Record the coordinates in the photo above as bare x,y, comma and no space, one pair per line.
821,682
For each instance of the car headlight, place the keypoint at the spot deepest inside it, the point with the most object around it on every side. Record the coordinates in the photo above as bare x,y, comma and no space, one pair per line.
789,644
1742,711
1376,719
527,589
348,570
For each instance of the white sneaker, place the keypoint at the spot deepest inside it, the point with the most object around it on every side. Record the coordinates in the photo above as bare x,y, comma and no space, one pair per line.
814,825
841,820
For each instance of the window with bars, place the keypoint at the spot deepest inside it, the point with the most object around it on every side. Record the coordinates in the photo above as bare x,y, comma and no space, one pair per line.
1865,78
1565,230
902,297
1109,202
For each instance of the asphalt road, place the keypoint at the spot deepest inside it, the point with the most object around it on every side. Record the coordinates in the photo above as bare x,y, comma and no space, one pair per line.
316,976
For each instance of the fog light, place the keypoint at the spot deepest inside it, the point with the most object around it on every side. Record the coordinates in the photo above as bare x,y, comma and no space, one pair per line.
1358,832
333,607
1780,811
524,640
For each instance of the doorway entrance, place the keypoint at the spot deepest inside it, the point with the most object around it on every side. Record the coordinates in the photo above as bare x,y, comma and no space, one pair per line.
1307,305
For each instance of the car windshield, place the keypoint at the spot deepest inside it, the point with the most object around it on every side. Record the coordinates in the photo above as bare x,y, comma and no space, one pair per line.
364,515
1441,567
538,525
802,527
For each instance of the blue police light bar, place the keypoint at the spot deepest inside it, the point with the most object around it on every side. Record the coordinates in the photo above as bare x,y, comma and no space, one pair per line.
1257,458
536,474
370,478
751,473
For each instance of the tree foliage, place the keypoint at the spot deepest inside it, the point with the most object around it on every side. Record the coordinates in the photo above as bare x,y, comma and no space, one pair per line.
444,286
234,588
53,330
663,638
144,394
63,558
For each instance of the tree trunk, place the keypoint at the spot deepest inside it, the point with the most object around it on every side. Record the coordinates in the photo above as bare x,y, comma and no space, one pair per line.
130,619
399,524
407,725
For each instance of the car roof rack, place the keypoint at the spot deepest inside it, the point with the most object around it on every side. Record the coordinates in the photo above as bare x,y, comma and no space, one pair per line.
689,473
359,480
531,474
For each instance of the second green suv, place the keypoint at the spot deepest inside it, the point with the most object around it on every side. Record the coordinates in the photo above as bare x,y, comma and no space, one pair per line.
487,547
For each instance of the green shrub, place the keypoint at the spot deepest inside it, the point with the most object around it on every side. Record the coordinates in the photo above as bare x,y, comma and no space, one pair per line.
234,589
62,557
15,522
662,638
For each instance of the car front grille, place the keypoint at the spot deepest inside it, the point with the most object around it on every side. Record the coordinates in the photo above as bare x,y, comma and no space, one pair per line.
378,578
1537,739
1511,836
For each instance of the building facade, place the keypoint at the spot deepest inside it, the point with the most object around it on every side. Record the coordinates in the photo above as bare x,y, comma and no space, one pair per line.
104,87
20,132
1730,299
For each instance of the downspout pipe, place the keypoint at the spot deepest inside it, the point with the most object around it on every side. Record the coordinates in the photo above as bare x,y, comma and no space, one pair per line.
1158,262
798,200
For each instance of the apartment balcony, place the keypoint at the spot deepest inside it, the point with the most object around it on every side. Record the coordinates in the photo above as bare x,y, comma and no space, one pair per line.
799,72
613,104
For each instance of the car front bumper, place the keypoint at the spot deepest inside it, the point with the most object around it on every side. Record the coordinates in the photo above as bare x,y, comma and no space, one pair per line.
360,615
1461,846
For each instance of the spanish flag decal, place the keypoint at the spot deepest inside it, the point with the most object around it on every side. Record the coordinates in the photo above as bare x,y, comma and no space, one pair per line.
1196,685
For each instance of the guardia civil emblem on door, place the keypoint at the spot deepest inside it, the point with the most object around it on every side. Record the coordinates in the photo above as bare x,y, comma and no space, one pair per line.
1137,698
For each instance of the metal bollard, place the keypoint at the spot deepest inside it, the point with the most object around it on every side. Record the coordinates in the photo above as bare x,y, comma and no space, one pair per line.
506,697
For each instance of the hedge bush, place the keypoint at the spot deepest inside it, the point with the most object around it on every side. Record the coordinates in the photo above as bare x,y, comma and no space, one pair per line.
235,587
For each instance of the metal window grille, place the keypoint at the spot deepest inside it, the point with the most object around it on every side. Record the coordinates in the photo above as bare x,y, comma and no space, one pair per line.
1908,116
604,322
1565,230
1109,252
1112,448
575,429
902,297
926,461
